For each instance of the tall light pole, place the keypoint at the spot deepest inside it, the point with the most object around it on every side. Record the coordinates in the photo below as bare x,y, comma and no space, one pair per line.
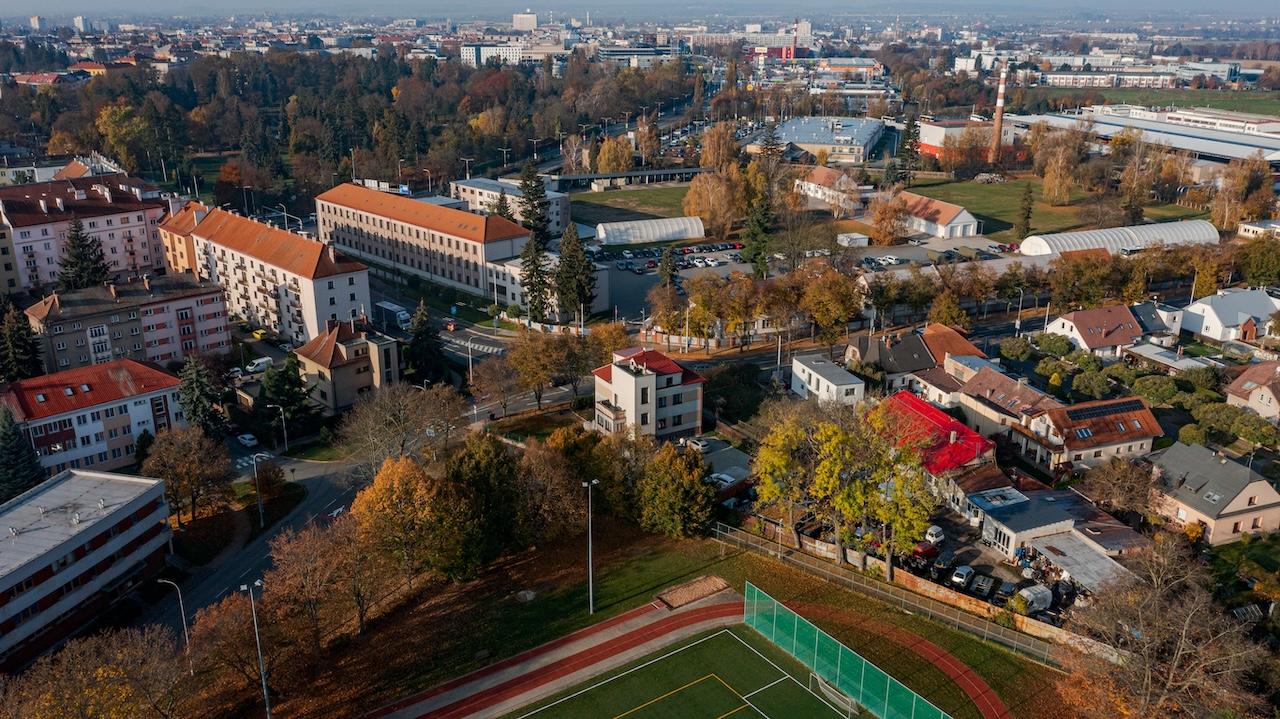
257,638
591,588
505,152
1017,322
186,637
535,141
353,163
467,161
428,179
284,429
262,520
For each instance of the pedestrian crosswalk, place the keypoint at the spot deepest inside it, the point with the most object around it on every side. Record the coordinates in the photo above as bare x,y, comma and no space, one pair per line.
245,464
474,346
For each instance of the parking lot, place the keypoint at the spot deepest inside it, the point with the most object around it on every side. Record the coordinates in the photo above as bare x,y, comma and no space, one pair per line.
631,277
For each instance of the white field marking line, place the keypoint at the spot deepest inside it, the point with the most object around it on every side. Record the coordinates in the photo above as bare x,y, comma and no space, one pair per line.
623,674
785,673
748,695
744,697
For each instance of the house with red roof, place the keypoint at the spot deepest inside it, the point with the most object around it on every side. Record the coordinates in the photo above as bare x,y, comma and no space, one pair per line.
91,417
1103,331
345,361
647,392
948,445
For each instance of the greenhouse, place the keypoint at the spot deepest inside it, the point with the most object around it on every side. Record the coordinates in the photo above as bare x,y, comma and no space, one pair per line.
637,232
1118,240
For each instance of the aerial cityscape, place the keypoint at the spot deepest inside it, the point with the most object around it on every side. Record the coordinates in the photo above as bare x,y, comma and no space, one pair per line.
901,361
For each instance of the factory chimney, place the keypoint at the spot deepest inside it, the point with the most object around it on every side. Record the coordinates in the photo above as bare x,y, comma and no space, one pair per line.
997,127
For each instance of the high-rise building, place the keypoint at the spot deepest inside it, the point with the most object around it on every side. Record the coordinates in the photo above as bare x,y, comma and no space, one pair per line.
526,21
39,24
81,24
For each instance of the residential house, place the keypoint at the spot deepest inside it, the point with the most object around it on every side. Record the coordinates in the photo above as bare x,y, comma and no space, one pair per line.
901,357
1168,361
91,417
947,444
1103,331
944,342
1160,323
840,192
937,218
1233,313
1258,388
646,392
283,282
993,402
165,318
75,544
345,361
815,376
1088,433
1196,485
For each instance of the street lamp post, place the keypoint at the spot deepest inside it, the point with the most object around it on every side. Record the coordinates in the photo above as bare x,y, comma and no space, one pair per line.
284,429
1017,322
257,638
467,161
262,520
535,141
505,152
399,170
428,179
591,589
186,637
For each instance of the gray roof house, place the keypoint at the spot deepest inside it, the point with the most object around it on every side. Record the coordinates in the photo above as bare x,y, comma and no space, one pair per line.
899,358
1196,485
1231,314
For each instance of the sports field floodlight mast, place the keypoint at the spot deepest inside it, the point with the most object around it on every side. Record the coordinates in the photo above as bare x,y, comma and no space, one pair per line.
591,589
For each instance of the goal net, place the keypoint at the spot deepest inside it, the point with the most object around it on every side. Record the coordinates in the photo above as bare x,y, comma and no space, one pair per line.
833,696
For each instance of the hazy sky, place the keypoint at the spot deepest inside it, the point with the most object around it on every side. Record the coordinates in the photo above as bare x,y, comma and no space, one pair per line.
613,8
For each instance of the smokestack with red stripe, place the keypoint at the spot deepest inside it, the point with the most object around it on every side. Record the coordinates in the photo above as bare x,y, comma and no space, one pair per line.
997,129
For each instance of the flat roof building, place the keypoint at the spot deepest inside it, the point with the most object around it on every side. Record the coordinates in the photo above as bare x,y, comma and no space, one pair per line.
480,195
826,381
843,139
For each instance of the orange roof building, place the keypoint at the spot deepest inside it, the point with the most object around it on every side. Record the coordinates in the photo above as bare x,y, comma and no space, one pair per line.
416,236
937,218
283,282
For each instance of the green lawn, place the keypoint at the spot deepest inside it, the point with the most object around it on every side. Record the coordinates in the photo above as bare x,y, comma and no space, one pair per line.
318,452
720,674
591,208
1259,102
538,426
997,206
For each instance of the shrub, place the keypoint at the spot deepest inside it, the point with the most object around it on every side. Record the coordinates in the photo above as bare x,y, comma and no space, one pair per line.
1201,377
1055,344
1156,388
1192,434
1015,348
1086,361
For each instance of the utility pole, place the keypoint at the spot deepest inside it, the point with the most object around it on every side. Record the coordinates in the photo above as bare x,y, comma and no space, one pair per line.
262,518
186,637
591,589
467,161
1017,322
257,638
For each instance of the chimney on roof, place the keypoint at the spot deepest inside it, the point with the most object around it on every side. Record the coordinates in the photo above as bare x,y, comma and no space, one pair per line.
111,288
333,253
953,437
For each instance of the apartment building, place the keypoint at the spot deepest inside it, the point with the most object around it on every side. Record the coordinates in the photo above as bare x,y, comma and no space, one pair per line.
646,392
159,319
480,194
446,246
286,283
175,234
121,212
345,361
91,417
506,288
74,544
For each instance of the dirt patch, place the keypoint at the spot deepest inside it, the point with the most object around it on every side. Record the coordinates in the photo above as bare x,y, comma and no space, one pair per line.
690,592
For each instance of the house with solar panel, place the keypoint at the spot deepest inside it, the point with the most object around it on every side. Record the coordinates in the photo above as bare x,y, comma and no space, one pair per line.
1088,434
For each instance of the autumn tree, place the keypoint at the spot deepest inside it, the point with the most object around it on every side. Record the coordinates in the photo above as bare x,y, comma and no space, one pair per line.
719,147
494,380
196,469
833,300
223,641
946,310
673,498
1246,192
530,357
887,215
647,140
552,502
716,199
360,570
1059,177
302,579
605,339
400,420
615,155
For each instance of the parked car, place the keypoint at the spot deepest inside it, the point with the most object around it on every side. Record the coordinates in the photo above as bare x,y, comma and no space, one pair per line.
628,254
262,364
1003,594
620,265
982,586
890,260
235,373
961,577
738,245
699,262
651,264
917,242
258,333
942,565
697,443
638,270
925,552
935,535
248,440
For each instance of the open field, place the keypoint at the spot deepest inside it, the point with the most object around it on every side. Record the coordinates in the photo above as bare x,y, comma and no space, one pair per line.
721,674
591,208
1266,103
997,206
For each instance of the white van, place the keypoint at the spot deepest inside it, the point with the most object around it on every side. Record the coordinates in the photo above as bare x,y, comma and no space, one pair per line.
262,364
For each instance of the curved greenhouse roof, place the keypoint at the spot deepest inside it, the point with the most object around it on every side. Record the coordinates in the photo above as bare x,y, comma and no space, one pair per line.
640,231
1114,239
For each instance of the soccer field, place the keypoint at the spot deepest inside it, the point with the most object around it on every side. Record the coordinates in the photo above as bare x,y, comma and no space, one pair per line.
729,673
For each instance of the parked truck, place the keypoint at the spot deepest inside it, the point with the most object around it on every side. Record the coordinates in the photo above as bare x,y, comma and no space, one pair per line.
390,314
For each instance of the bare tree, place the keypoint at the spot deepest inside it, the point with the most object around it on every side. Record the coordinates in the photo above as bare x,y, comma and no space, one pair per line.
400,420
494,380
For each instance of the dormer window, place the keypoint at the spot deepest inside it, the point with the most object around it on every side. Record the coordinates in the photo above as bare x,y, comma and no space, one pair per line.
1084,433
84,388
68,391
1120,426
40,397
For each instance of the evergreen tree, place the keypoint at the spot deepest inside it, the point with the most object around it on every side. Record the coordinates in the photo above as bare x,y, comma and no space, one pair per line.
1023,226
283,385
909,150
200,395
667,268
534,205
576,275
891,177
19,348
423,352
83,262
501,206
20,468
756,238
535,280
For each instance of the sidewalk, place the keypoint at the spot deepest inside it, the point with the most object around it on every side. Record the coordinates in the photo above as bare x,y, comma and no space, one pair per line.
566,662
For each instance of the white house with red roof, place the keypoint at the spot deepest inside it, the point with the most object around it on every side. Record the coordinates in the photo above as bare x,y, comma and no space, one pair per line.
937,218
90,417
649,393
1103,331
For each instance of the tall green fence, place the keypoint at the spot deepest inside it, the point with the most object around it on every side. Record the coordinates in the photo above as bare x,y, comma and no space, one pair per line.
840,666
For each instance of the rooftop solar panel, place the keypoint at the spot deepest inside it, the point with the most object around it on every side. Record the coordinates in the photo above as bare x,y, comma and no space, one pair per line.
1105,410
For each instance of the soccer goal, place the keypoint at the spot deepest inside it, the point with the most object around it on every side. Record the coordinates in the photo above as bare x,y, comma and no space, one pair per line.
837,699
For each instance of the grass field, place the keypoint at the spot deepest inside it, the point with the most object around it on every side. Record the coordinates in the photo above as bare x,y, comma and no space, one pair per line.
1261,102
592,208
997,206
728,673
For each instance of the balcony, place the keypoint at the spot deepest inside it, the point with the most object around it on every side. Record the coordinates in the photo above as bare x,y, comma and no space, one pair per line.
612,412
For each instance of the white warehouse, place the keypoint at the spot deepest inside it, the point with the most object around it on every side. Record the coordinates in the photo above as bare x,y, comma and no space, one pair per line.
1115,239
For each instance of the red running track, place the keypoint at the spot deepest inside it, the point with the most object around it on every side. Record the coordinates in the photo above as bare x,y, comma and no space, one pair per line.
563,667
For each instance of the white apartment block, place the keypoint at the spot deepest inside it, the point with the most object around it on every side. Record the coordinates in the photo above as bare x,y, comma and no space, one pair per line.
74,544
119,211
826,381
479,55
90,418
480,194
505,280
446,246
646,392
285,283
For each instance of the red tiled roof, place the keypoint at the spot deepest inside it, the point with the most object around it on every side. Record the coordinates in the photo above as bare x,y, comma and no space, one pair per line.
921,421
21,203
1263,374
323,348
184,221
74,169
652,360
943,340
1104,422
927,208
446,220
64,392
1105,326
273,246
824,176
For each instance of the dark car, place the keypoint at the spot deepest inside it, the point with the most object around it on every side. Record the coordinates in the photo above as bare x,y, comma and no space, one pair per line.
982,586
638,270
942,565
1004,593
651,264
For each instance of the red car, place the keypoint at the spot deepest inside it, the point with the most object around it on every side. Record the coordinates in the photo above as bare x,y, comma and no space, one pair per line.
738,245
651,264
